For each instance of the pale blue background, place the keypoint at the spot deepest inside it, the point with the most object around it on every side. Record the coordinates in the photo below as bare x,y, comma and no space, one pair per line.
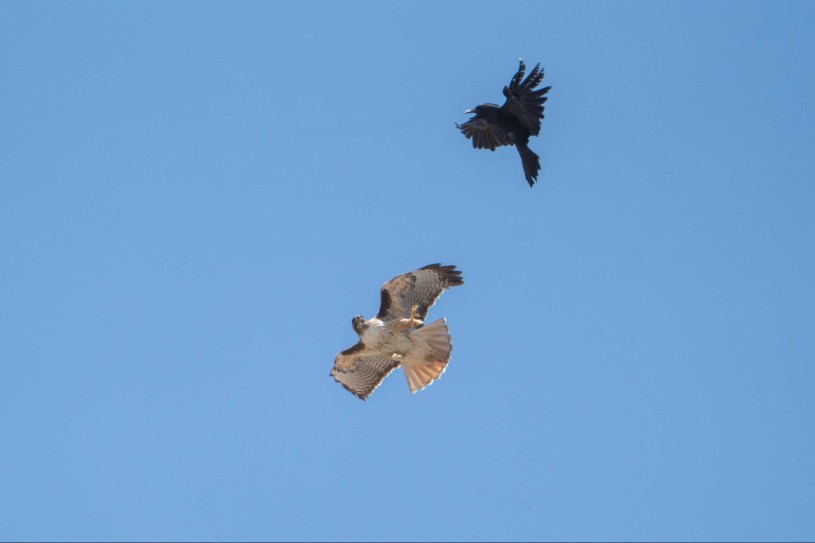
196,198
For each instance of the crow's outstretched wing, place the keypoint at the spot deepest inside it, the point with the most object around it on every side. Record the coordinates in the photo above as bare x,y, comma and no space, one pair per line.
523,101
485,134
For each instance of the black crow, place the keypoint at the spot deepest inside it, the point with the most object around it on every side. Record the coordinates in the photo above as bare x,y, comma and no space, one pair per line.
512,123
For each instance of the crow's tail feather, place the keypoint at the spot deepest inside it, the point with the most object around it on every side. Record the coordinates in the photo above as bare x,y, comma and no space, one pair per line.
530,161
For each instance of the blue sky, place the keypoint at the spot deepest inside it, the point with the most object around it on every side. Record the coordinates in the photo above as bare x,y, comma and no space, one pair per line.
196,198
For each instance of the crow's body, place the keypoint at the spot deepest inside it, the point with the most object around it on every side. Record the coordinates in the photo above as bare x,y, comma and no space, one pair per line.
512,123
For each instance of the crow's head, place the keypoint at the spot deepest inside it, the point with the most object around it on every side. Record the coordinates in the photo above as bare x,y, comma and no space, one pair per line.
483,110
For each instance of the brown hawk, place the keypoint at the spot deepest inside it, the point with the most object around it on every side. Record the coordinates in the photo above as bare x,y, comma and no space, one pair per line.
397,336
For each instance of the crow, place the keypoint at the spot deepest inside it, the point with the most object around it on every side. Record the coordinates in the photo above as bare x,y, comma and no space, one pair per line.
513,123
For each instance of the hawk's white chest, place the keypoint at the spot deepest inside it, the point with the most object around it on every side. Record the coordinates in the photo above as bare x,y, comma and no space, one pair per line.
379,336
374,332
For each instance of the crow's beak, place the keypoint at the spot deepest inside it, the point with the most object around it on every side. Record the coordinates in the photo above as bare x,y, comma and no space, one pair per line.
468,112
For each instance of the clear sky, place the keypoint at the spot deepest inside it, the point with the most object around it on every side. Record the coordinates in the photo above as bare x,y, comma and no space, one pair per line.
196,198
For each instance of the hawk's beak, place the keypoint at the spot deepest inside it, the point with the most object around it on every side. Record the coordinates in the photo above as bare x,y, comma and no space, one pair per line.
468,112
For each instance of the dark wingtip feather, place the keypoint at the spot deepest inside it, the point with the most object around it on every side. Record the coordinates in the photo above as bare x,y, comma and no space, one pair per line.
450,275
519,75
535,77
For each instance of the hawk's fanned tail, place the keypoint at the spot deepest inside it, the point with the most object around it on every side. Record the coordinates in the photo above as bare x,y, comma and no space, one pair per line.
425,367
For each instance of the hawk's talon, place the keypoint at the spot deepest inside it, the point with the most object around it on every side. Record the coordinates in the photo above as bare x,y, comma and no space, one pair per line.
414,319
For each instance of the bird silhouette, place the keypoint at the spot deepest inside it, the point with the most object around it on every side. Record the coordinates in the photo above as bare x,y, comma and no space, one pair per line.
512,123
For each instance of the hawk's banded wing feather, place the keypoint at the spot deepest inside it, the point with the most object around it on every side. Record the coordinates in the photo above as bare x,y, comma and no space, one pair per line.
360,370
523,101
420,287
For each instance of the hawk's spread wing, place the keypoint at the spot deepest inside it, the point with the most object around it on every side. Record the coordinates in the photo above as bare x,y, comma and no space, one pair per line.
523,101
421,287
361,370
485,134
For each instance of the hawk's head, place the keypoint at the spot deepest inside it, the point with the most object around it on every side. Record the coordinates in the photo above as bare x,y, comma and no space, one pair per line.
358,323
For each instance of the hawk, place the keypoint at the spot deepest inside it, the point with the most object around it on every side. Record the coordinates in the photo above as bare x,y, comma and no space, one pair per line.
397,336
514,122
